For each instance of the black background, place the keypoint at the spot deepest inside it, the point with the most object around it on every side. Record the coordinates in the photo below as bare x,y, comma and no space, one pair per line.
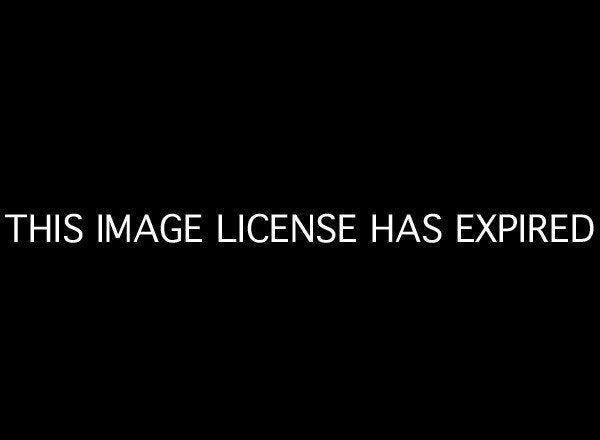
386,112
